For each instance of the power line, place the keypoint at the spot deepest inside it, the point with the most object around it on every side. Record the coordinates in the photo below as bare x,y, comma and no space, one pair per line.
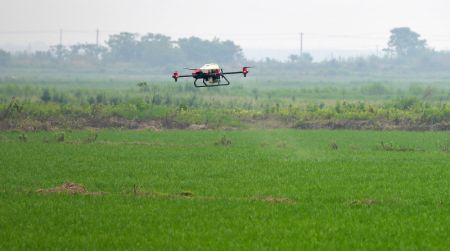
97,37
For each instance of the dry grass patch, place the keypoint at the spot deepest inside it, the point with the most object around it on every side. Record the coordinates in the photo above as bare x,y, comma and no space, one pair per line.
70,188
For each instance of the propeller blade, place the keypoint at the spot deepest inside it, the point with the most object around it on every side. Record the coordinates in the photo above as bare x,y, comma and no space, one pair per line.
245,70
175,76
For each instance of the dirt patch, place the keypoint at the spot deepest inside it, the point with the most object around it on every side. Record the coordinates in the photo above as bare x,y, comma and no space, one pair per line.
383,125
198,127
70,188
118,122
189,195
29,122
73,188
364,202
270,122
185,194
277,200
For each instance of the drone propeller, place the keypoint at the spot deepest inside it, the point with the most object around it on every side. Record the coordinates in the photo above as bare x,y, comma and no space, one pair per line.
245,70
175,76
191,69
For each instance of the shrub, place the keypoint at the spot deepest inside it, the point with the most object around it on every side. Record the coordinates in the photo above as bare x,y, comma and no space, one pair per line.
46,96
224,141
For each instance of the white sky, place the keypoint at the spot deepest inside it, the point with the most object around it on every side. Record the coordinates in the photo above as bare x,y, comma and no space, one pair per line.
253,24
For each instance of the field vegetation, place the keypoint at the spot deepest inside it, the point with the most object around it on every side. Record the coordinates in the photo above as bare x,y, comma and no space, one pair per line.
128,104
250,189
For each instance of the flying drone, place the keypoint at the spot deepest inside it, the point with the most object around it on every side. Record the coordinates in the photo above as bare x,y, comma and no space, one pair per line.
210,74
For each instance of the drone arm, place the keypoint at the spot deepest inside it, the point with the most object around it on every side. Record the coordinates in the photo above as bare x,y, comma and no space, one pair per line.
244,71
176,76
232,72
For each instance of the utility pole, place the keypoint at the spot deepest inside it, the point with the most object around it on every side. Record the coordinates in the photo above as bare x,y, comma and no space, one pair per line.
60,37
301,44
59,50
97,36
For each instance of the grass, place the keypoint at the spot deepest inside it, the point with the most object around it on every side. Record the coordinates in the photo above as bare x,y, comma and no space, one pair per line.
261,189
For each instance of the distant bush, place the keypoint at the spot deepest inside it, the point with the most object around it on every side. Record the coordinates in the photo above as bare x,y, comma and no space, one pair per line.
375,89
406,103
46,95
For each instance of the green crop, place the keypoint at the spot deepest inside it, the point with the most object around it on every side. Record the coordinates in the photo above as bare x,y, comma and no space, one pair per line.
250,189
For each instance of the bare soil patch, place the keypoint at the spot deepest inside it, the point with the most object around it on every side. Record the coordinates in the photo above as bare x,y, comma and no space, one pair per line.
198,127
74,188
185,194
190,195
373,125
70,188
29,123
275,200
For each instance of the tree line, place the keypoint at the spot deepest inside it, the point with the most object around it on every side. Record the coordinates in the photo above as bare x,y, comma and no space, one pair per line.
131,48
405,51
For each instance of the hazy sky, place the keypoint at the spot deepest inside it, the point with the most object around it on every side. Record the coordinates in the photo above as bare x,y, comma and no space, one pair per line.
253,24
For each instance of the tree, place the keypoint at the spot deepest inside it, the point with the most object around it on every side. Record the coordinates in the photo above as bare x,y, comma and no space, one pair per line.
405,42
197,50
90,52
304,58
157,49
5,57
59,51
123,46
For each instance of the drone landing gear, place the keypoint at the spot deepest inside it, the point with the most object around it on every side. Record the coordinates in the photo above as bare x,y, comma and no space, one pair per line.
206,84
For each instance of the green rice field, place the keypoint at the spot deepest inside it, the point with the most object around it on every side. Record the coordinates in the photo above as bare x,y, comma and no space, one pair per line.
281,189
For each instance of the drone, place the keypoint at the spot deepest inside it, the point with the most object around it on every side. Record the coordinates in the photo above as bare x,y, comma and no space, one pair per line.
210,74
